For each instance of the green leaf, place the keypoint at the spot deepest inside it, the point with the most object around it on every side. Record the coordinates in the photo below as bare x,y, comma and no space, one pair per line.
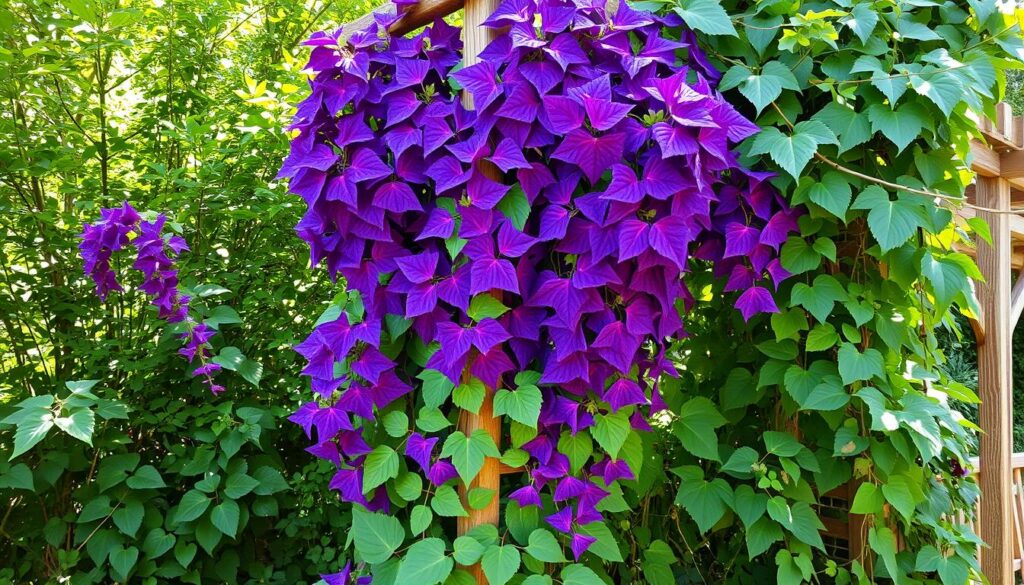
799,519
893,86
381,465
479,498
436,388
446,502
270,481
146,477
607,545
868,500
761,535
749,505
942,88
225,517
80,424
823,336
862,21
798,256
123,560
522,405
578,448
468,453
900,126
740,464
222,315
231,358
695,427
827,396
238,485
419,519
191,506
485,306
515,206
396,423
854,365
891,222
833,193
579,575
128,517
500,563
468,550
610,431
904,495
793,152
376,536
781,444
409,486
31,429
705,501
184,552
425,563
17,477
431,420
157,542
762,88
544,547
470,395
706,16
851,127
208,535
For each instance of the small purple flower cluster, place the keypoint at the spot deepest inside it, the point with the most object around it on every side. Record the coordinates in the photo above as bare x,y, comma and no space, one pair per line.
155,255
620,150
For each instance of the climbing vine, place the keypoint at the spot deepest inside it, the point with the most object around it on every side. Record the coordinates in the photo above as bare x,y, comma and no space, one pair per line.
606,195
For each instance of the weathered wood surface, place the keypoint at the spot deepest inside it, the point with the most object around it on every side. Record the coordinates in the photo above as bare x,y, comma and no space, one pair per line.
416,16
994,385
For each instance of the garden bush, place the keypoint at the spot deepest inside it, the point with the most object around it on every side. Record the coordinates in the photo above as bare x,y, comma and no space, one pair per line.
176,107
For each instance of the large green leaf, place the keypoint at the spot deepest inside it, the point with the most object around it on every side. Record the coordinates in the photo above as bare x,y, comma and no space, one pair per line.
468,453
425,563
376,536
706,16
225,516
521,405
610,431
794,151
31,429
380,465
695,427
500,563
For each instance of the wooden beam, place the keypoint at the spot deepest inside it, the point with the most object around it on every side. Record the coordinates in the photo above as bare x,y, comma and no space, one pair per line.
475,37
1011,164
994,384
1016,301
984,160
420,14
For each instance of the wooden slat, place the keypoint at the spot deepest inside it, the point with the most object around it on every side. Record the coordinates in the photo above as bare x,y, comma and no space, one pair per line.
418,15
994,386
1017,300
984,160
475,38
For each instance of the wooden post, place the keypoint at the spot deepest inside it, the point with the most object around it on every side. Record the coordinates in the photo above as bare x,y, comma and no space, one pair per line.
995,386
475,38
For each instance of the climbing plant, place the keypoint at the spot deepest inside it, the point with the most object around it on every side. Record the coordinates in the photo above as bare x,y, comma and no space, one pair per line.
606,194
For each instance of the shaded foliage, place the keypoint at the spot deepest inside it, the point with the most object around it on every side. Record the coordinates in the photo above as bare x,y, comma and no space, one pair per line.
175,107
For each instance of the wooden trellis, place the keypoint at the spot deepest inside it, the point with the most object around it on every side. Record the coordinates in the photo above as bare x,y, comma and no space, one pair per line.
999,164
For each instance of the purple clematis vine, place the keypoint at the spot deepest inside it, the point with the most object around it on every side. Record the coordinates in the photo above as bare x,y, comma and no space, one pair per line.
616,172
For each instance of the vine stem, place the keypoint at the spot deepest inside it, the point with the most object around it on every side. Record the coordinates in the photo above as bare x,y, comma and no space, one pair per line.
915,191
897,186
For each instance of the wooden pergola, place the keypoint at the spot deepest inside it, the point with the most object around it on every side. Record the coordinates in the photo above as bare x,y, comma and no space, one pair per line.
997,197
999,186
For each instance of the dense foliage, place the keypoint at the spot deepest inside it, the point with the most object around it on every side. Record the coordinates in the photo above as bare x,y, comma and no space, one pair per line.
862,108
129,472
178,107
